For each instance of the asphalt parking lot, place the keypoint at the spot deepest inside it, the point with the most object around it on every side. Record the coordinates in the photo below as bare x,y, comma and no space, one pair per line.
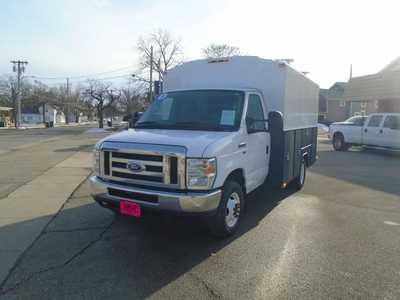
337,238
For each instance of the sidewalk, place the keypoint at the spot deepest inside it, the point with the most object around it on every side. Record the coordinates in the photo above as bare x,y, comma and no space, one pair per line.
25,213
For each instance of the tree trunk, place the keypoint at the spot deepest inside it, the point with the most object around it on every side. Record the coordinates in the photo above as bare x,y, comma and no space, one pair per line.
100,117
44,113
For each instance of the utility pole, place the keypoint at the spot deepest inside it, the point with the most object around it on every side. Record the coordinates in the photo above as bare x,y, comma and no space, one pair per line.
67,103
151,75
351,71
19,68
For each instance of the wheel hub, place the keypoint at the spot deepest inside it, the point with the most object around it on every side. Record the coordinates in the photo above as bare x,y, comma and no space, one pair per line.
232,210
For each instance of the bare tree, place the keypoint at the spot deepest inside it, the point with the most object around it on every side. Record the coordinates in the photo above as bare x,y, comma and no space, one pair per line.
101,97
133,97
167,51
220,51
8,91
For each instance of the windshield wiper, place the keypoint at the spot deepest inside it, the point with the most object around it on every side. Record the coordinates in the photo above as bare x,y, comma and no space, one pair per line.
149,124
198,126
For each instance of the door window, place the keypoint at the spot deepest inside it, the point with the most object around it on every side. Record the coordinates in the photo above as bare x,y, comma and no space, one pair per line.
375,121
392,122
255,114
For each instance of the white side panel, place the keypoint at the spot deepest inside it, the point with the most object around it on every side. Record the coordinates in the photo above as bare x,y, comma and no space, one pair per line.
301,102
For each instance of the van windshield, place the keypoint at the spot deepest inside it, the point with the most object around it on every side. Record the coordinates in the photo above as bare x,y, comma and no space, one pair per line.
214,110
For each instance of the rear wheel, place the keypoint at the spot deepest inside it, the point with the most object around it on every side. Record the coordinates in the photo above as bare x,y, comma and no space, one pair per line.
299,181
338,143
227,218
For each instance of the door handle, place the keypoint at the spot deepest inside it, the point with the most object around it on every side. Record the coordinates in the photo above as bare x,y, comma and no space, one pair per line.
381,131
242,145
365,130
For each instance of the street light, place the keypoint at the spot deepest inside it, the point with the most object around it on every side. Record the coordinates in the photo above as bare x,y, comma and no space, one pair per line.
140,78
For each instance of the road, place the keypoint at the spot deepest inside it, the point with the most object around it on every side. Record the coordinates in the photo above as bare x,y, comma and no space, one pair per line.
339,238
26,154
11,139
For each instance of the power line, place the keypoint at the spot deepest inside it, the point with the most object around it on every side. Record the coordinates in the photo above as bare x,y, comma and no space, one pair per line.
85,76
84,80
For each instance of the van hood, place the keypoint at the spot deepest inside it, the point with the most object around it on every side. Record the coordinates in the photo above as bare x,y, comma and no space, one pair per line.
194,141
342,123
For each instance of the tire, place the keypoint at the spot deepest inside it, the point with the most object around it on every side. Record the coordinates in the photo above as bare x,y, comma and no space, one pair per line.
338,143
299,181
230,210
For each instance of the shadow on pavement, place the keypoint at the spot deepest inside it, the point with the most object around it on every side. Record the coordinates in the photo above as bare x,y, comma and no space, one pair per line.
374,169
87,251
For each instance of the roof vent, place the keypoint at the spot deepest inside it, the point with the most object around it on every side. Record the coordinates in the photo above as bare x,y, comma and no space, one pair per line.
218,60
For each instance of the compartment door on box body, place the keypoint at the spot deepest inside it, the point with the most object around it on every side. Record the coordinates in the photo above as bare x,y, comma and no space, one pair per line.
257,145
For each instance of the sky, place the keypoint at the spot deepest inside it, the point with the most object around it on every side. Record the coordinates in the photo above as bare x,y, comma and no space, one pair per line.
63,38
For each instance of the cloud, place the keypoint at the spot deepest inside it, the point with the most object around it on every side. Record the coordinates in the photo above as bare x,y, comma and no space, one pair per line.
102,3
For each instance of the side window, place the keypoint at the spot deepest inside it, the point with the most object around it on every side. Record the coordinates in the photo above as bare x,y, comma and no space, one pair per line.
392,122
375,121
359,121
255,114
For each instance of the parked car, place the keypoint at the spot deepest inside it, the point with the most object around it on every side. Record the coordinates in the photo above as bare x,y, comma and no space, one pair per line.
377,130
219,131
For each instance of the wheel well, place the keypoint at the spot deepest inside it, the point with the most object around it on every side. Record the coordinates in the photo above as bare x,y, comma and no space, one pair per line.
238,176
338,133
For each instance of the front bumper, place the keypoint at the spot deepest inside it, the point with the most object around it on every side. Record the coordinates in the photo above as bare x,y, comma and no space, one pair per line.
176,202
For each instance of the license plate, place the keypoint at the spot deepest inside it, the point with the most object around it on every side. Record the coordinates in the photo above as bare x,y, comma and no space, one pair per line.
130,209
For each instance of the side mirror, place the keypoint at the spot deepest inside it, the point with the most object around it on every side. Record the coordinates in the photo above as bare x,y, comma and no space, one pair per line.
251,125
135,117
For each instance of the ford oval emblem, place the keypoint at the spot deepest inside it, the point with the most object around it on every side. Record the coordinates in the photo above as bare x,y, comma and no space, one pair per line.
134,167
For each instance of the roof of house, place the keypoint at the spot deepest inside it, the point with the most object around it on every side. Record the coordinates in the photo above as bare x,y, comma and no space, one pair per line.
340,83
379,86
393,66
335,92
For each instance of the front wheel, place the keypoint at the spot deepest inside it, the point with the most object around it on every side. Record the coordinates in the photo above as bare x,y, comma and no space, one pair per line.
339,143
227,218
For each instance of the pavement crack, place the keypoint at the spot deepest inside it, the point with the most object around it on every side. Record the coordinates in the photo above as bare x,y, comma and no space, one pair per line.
212,292
43,231
17,285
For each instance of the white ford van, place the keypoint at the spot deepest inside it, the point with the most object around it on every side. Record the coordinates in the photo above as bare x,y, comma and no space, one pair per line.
219,130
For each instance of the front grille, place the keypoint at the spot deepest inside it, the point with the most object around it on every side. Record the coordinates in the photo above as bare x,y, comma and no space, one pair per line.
136,156
164,169
137,176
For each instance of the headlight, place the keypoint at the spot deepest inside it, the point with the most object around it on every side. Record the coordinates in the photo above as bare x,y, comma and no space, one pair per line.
96,162
200,173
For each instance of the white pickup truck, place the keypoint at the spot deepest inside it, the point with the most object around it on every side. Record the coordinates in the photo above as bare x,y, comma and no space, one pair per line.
219,130
380,130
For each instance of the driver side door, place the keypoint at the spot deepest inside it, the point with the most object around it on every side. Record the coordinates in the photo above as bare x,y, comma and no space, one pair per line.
257,142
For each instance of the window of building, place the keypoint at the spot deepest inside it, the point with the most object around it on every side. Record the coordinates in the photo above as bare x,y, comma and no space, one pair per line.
342,103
